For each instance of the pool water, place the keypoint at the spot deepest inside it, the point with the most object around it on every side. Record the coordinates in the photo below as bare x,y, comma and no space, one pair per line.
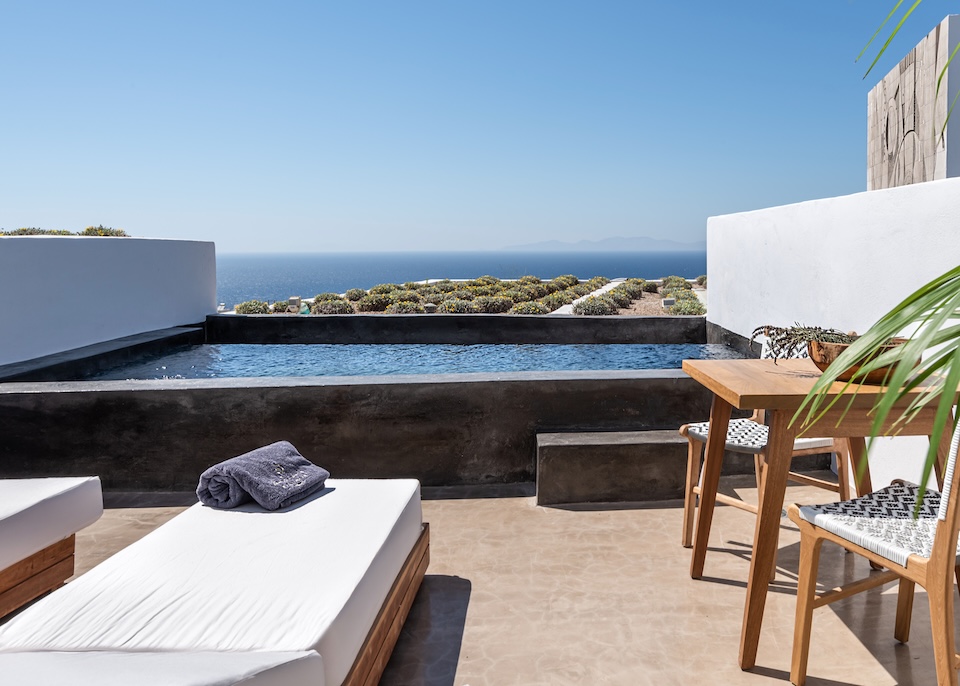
243,360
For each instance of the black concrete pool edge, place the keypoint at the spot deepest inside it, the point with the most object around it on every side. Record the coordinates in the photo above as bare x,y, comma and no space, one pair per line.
445,430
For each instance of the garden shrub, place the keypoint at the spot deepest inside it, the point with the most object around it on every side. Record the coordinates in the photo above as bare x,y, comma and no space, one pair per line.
282,307
404,296
702,280
253,307
650,287
456,306
445,286
354,294
685,306
460,294
102,231
406,307
373,302
530,307
594,305
492,304
413,286
566,281
619,296
598,282
31,231
532,291
679,294
487,280
675,282
582,289
328,296
632,288
489,289
433,297
382,288
338,306
528,279
512,293
558,299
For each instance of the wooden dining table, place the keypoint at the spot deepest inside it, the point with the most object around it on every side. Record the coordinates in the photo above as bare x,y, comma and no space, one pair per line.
778,387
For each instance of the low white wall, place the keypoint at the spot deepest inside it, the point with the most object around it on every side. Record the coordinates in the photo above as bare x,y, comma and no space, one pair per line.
838,262
61,293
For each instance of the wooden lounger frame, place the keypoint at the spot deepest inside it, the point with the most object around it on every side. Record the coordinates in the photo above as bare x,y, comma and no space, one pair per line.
38,574
378,646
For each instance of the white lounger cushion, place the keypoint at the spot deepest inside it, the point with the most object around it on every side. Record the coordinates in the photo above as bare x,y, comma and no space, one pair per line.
36,513
162,669
311,577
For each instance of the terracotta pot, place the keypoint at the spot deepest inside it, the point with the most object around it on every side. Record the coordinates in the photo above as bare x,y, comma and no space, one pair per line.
823,354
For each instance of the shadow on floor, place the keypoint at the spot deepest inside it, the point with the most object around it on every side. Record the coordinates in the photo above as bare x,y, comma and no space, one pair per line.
428,649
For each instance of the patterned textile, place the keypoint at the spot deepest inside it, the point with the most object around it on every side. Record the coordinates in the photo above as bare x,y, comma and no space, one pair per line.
743,435
883,521
767,354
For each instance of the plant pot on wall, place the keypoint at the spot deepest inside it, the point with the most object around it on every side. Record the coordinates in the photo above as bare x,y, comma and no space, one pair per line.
822,354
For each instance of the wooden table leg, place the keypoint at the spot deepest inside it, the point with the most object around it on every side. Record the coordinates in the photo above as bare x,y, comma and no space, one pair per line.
712,462
767,532
861,467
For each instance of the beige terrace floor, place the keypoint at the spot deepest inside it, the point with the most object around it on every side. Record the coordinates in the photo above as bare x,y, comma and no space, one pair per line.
518,594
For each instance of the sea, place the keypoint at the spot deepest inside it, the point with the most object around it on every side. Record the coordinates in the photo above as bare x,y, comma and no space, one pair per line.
277,276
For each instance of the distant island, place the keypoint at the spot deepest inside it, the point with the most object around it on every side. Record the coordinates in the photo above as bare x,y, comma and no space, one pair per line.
616,244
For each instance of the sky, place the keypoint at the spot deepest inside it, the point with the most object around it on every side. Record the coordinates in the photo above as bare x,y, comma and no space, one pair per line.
428,125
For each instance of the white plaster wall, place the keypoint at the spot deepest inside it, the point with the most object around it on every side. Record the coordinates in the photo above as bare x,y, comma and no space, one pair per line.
60,293
838,262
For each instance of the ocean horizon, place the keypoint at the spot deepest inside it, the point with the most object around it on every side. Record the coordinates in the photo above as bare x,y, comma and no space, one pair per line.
277,276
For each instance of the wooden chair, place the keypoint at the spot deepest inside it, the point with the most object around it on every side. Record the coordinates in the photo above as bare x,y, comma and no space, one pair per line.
881,527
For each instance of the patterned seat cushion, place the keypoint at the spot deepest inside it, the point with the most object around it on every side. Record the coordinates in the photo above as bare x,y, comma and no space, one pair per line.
747,436
883,521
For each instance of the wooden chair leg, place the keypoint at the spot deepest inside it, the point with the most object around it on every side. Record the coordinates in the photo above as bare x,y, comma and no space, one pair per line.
843,467
941,620
905,594
694,452
806,589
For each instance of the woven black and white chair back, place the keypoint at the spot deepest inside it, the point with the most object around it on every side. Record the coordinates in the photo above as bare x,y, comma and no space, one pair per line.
948,474
766,353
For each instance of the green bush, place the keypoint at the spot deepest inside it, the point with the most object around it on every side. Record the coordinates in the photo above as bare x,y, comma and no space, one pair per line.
558,299
512,293
382,288
675,282
456,307
566,281
31,231
685,306
598,282
253,307
492,304
679,294
650,287
530,307
619,296
528,279
532,291
460,294
406,307
413,286
633,288
582,289
404,296
445,286
489,289
328,296
339,306
282,307
594,305
702,280
373,302
354,294
102,231
434,297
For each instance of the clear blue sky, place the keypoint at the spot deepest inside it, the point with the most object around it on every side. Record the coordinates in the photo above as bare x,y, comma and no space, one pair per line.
315,126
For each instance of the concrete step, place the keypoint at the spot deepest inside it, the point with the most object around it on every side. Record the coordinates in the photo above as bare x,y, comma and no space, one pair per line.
626,466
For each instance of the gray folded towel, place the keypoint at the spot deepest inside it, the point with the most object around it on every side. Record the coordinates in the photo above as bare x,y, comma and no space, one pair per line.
275,476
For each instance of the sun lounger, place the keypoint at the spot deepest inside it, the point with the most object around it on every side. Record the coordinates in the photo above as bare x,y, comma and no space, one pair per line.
38,520
335,574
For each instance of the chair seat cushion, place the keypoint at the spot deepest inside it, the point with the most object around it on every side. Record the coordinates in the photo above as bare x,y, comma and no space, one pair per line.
748,436
882,521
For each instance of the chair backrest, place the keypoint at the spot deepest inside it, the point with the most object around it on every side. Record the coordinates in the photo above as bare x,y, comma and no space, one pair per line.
766,353
948,474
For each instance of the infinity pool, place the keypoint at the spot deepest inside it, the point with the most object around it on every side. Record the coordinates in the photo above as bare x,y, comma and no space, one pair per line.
243,360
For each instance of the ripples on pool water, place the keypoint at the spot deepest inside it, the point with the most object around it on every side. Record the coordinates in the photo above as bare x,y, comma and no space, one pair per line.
241,360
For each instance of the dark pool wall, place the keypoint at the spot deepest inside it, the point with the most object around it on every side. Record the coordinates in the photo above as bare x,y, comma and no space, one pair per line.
443,430
467,329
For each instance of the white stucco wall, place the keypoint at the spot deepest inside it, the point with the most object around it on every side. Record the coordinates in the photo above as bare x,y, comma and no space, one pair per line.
60,293
838,262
